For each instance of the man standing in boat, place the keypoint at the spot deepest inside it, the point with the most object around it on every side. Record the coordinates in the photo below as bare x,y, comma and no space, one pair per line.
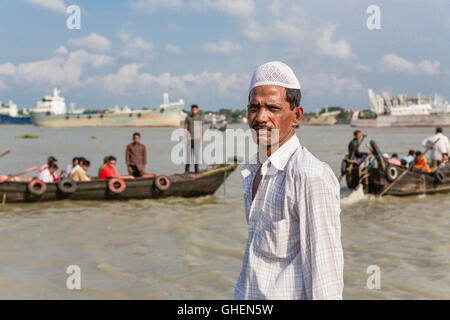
193,126
136,156
353,147
440,147
292,202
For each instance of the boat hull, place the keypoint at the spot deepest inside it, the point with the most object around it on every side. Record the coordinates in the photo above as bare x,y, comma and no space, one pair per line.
181,185
162,117
385,121
4,119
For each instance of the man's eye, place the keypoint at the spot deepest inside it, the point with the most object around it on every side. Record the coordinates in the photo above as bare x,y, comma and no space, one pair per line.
274,108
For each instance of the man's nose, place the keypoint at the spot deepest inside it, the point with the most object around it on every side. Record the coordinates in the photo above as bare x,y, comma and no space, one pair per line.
262,116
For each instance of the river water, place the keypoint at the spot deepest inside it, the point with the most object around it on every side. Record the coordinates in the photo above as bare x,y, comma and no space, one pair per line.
192,248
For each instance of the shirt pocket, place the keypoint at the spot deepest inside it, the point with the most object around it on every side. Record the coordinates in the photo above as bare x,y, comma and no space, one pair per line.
274,239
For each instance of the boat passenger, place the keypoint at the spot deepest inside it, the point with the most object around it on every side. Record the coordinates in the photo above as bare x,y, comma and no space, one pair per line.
109,170
70,167
394,160
409,158
45,166
136,156
105,160
80,173
48,175
444,162
404,163
421,162
440,147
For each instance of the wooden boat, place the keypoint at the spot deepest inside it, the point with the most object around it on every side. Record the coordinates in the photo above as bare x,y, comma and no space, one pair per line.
126,188
379,177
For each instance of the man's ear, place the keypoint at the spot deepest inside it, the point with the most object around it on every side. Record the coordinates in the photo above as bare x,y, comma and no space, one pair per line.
298,116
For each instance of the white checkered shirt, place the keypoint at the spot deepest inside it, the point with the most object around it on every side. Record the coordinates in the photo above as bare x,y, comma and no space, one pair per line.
294,248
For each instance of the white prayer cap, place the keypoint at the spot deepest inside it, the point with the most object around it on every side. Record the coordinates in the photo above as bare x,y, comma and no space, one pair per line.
274,73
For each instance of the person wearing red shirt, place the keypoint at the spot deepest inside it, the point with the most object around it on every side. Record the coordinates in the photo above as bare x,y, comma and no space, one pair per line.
109,170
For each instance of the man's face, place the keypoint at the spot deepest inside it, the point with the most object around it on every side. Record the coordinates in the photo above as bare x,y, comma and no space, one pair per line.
194,111
52,170
268,110
112,163
75,162
136,139
358,136
85,167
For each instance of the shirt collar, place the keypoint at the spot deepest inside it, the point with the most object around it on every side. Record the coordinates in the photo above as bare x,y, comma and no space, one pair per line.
278,159
281,156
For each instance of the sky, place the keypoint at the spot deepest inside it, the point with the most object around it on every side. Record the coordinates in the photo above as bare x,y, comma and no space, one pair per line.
130,52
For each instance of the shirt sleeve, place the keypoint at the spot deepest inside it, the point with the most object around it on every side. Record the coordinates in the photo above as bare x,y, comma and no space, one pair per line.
322,252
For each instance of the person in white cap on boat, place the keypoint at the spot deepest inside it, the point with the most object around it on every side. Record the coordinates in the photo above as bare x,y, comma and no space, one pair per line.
292,201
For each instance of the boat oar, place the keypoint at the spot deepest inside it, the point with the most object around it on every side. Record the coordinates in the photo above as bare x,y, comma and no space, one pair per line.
23,172
406,171
4,153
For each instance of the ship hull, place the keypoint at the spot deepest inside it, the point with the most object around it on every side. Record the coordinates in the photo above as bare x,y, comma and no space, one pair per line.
162,117
386,121
4,119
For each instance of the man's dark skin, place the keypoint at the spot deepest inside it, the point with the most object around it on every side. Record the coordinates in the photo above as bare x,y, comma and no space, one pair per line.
268,110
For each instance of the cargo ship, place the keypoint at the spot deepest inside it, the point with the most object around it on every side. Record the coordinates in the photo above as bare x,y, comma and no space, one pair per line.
403,111
51,112
10,114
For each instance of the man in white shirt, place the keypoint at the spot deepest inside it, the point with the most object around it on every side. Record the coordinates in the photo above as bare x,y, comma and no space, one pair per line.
49,175
440,147
292,203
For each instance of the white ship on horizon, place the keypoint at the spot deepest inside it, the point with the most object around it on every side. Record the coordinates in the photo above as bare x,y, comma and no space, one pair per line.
403,111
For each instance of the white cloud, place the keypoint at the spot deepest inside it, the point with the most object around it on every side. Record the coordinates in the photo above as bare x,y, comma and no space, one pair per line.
338,49
7,69
225,47
54,5
362,67
231,7
172,49
61,50
129,79
393,63
319,83
58,70
429,67
151,6
93,42
135,47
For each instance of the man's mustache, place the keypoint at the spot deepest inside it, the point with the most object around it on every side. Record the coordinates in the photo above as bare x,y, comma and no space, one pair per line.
261,127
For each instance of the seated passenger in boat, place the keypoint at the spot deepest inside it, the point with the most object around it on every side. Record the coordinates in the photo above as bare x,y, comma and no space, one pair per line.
404,163
70,167
109,170
409,158
80,172
444,162
46,165
421,163
49,174
105,160
394,160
